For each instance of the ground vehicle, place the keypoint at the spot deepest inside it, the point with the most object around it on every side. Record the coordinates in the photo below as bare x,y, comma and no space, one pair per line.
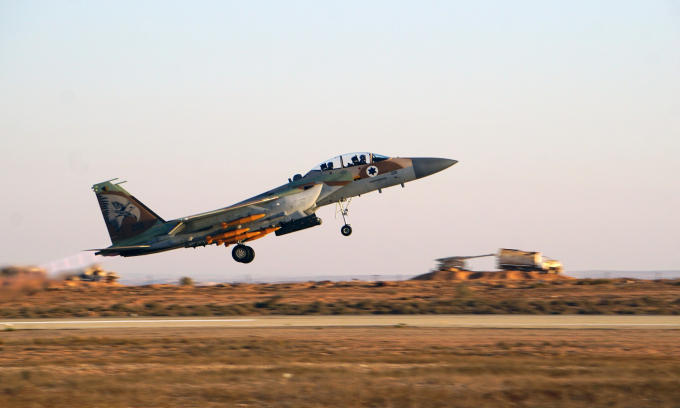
517,260
94,273
457,262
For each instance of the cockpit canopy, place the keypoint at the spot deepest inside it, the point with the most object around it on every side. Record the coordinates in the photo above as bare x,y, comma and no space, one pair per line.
349,160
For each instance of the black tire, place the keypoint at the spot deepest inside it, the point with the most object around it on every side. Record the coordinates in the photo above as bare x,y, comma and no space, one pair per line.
346,230
251,255
240,253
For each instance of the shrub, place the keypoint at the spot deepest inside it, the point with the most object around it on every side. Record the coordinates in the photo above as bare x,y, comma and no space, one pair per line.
186,281
539,305
318,308
120,307
365,304
594,281
200,311
463,291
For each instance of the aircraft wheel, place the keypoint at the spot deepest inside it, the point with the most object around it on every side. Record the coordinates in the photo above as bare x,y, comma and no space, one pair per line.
251,255
240,253
346,230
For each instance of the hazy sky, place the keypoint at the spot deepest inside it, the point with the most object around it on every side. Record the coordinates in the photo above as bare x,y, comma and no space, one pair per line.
565,117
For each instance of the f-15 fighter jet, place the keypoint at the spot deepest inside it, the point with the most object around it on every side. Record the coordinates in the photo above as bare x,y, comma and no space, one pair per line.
136,230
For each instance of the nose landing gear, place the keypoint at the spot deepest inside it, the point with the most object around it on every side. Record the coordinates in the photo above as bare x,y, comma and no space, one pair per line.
346,229
243,254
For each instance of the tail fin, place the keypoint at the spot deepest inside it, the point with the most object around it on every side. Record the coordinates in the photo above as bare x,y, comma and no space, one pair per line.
125,216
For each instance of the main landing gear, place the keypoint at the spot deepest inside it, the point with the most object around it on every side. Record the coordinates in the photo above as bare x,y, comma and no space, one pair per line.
243,254
346,229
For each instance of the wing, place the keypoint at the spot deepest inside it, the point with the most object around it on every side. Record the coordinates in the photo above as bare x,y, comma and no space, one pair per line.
200,221
225,210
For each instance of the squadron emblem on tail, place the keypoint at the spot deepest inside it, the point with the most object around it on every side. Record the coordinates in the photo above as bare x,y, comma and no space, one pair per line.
116,208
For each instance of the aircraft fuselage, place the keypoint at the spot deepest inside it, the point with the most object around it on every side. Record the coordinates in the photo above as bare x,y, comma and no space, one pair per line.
136,230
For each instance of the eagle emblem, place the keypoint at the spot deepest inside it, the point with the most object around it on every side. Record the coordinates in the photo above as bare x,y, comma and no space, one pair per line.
115,208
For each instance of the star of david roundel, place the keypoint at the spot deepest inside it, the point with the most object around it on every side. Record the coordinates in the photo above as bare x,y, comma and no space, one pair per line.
372,171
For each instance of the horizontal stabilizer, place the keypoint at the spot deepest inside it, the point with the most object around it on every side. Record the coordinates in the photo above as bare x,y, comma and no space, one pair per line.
119,248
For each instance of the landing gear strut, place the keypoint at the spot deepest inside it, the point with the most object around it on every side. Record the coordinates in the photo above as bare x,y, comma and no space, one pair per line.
346,229
243,254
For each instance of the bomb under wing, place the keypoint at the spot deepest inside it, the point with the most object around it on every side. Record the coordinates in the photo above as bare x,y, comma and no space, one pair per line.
225,235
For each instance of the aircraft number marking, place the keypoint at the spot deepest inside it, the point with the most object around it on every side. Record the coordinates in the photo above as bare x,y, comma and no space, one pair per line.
138,226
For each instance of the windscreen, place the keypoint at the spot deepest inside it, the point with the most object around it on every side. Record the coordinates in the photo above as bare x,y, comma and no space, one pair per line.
378,158
330,164
355,159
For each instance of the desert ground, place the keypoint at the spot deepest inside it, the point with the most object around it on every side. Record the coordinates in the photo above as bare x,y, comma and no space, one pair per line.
391,366
318,365
518,295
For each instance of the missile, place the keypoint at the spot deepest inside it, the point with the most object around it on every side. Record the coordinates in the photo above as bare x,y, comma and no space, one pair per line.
254,238
263,233
241,237
229,234
243,220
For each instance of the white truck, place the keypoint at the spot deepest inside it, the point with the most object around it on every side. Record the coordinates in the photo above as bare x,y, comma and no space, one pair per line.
516,260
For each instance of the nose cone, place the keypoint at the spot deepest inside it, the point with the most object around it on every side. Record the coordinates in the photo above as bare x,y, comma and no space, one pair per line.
424,166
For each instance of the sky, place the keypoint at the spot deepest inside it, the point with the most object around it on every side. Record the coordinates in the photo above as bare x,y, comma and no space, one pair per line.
564,117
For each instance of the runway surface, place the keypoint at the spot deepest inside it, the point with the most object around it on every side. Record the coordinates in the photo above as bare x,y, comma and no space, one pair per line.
482,321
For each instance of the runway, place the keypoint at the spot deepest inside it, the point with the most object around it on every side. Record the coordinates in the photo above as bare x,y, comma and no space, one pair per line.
480,321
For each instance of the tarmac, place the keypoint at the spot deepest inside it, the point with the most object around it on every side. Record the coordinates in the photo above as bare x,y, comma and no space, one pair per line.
478,321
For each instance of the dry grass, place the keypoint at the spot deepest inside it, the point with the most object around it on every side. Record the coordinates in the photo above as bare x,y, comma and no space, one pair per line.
585,296
339,367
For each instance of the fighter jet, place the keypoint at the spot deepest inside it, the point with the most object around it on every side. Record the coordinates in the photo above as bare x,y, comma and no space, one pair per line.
136,230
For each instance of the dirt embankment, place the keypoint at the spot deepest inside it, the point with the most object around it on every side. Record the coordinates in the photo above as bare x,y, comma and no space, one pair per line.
481,296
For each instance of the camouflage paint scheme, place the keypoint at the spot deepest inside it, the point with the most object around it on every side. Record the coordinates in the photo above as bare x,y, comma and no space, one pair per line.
136,230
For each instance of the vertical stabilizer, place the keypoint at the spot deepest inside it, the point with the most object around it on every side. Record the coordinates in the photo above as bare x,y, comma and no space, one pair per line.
125,216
